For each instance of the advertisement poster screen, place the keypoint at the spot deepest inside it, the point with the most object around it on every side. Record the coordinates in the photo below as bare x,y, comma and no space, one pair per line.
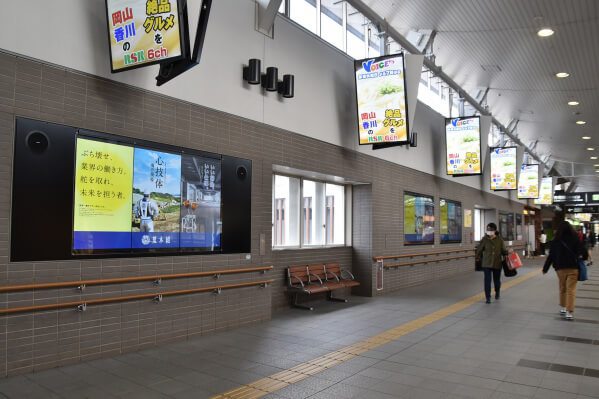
382,100
468,218
419,219
451,221
504,168
200,202
546,192
130,199
143,32
463,146
102,198
528,184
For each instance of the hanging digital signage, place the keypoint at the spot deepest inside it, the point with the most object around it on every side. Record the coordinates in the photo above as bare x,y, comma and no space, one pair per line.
528,183
143,32
546,192
382,100
463,146
131,199
504,168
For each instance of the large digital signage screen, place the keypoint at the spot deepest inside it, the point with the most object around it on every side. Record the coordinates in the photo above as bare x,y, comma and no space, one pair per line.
143,32
419,219
382,100
546,192
528,183
451,221
131,199
463,146
504,168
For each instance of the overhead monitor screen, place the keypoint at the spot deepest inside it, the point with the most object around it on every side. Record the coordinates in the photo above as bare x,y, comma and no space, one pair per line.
528,183
463,146
143,32
382,100
504,168
131,199
546,192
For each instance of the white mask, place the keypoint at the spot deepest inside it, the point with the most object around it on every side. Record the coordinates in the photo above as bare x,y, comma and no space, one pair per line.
490,233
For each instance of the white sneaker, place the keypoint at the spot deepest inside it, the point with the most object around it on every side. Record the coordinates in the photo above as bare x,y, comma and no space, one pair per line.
569,316
562,311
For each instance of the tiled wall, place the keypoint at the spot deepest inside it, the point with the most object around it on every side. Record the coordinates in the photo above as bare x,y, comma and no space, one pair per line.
33,341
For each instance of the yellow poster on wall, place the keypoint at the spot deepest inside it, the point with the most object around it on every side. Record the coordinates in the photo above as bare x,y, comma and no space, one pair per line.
444,218
142,32
103,195
468,218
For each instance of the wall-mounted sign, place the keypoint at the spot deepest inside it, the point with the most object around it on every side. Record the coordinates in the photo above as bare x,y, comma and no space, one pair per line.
382,100
468,218
463,146
561,197
546,192
504,168
143,32
582,209
528,184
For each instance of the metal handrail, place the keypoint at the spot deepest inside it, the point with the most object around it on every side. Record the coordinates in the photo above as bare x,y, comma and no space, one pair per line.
82,304
24,287
379,258
424,261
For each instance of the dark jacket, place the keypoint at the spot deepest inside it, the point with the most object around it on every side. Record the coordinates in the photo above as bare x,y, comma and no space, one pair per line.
491,250
565,256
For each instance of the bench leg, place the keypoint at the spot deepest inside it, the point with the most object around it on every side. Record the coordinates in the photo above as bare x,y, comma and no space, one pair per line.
299,305
331,298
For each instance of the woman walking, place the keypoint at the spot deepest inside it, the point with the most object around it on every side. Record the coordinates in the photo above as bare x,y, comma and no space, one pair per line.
491,249
564,253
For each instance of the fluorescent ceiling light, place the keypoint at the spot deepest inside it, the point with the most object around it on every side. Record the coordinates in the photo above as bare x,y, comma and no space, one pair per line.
586,137
580,122
573,103
545,32
593,157
562,74
590,149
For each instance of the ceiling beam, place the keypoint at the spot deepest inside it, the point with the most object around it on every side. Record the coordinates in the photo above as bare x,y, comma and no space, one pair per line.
266,11
430,64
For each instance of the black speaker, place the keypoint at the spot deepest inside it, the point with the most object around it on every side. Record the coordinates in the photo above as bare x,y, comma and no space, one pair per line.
236,196
270,81
286,87
253,72
42,191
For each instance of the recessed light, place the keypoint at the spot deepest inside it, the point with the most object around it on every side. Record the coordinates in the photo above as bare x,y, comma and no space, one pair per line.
573,103
593,157
596,165
580,122
545,32
586,137
562,74
590,149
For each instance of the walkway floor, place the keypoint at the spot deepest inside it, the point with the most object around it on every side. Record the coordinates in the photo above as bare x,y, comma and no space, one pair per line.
437,340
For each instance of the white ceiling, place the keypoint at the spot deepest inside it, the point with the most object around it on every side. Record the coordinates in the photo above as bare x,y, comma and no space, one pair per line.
476,33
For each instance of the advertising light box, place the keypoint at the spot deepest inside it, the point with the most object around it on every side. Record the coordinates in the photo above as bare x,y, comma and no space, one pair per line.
504,168
528,184
143,32
546,192
131,199
382,100
419,219
463,146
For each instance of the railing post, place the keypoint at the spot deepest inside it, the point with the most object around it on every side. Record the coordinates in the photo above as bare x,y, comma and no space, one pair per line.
379,274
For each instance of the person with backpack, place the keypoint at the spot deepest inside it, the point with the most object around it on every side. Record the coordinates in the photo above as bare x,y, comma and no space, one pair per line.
489,252
564,254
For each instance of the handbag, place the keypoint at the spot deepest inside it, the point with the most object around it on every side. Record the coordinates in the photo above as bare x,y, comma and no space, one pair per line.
582,268
506,269
514,261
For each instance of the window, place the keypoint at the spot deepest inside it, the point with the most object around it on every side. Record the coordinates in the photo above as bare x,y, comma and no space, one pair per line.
478,220
419,219
506,226
331,22
285,231
304,13
307,213
451,221
356,41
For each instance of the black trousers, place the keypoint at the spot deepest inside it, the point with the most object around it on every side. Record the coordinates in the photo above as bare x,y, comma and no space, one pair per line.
496,275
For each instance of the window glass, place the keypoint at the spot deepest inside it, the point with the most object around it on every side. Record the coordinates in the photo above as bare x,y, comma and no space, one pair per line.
286,212
506,226
335,215
304,13
331,22
282,7
477,225
374,41
356,42
313,213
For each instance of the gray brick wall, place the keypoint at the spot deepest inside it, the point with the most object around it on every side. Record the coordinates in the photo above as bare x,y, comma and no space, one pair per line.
34,341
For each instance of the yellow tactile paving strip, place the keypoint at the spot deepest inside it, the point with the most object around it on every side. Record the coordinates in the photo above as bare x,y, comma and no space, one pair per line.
304,370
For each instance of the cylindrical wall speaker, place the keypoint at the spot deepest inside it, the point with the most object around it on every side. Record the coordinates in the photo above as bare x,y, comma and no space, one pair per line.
253,72
271,79
286,88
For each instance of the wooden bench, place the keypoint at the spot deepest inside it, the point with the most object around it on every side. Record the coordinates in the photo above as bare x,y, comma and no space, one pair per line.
318,278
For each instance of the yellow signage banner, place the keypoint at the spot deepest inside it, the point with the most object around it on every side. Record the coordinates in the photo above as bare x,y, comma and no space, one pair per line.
142,32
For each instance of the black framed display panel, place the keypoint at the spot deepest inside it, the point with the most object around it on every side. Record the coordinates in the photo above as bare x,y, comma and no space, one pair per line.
419,219
491,176
454,230
448,159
